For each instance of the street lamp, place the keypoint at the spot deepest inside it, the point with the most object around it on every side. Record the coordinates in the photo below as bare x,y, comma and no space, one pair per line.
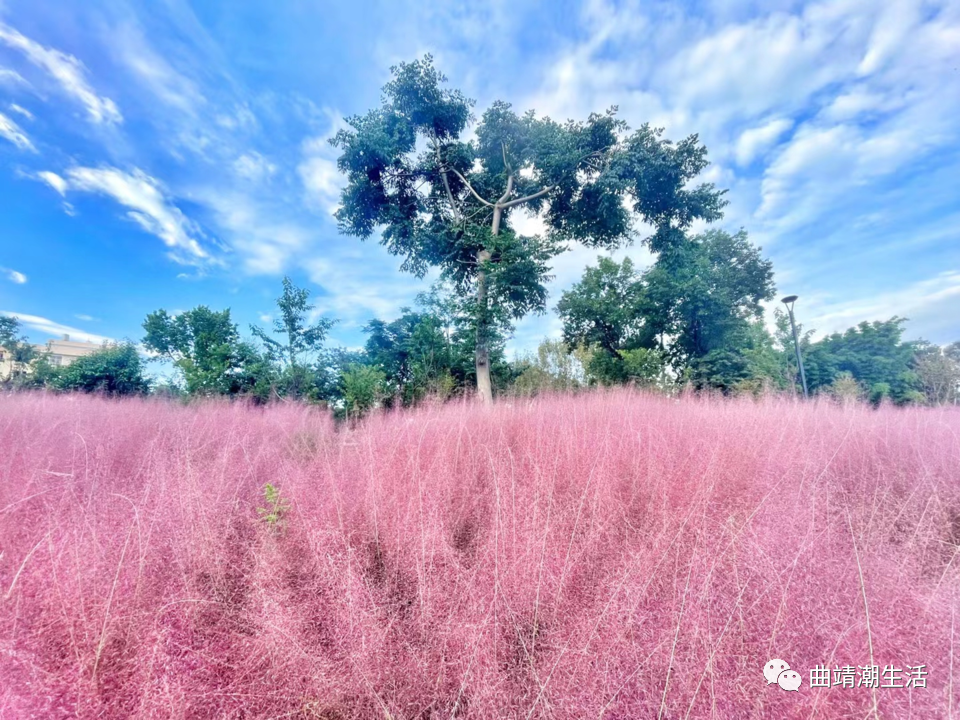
789,300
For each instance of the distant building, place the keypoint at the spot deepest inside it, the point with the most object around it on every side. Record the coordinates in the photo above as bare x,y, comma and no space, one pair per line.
60,352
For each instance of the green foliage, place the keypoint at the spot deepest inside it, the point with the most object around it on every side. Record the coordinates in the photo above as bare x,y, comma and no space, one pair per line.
429,351
18,350
363,389
113,370
874,354
201,343
276,508
450,206
206,348
413,352
300,338
938,372
10,331
553,368
703,294
642,366
697,309
750,363
605,308
845,388
329,371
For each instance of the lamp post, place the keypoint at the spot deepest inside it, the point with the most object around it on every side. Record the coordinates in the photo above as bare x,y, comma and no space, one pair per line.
789,300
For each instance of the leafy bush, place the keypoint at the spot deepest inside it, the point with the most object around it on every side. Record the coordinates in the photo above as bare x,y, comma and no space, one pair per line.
114,370
845,388
363,388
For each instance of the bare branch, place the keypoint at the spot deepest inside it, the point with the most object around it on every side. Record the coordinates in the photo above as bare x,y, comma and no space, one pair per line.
509,190
518,201
446,184
470,188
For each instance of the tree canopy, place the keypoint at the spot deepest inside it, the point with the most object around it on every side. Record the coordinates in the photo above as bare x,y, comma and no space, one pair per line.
442,200
205,346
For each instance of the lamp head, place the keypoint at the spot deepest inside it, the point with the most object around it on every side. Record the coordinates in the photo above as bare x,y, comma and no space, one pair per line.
789,299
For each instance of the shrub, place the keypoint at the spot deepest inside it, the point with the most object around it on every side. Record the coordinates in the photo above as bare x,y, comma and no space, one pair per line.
114,370
363,389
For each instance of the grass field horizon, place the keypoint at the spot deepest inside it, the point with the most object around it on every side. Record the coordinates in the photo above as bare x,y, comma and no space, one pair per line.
608,555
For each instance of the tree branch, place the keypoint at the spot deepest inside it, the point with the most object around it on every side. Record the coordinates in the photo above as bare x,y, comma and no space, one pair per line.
518,201
509,190
470,188
446,184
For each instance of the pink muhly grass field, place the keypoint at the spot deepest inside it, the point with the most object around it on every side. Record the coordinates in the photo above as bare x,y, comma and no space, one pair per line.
613,555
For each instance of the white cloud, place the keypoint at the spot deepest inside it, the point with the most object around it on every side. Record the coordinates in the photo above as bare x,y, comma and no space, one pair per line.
53,180
260,232
11,77
21,111
147,205
85,318
17,278
360,289
253,166
757,140
153,71
50,327
266,317
67,71
931,305
318,169
240,118
12,132
322,181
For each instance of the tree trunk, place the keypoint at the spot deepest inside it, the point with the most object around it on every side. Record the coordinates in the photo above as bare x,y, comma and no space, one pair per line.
484,386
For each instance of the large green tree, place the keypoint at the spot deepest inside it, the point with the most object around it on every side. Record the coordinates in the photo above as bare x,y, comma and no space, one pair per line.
698,306
605,308
441,200
413,352
704,293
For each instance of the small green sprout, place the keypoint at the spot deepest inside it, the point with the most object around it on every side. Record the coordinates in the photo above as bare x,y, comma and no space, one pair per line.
276,507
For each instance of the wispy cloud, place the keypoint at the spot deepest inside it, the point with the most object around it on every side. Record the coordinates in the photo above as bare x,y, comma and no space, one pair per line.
53,180
68,72
931,306
756,140
85,318
51,327
318,171
21,111
152,71
253,166
355,290
12,132
11,77
147,202
17,278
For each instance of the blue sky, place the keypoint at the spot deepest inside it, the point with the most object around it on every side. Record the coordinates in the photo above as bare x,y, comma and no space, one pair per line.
166,154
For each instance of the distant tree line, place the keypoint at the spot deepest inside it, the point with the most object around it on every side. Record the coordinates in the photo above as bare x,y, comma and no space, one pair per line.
692,319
